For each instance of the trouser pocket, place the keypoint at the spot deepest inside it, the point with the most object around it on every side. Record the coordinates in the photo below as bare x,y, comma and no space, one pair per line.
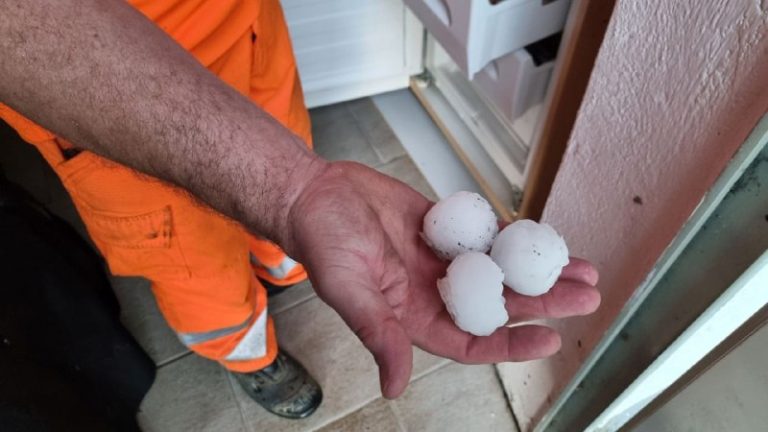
128,216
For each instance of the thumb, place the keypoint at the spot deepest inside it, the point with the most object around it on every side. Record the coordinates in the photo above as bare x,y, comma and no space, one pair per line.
391,348
373,321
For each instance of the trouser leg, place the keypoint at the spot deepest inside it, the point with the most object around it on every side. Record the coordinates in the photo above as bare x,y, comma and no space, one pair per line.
198,261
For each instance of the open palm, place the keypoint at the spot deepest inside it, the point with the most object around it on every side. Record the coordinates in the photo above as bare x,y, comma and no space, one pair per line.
357,232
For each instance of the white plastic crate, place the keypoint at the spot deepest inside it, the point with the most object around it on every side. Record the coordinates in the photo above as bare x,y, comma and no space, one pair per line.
475,32
514,83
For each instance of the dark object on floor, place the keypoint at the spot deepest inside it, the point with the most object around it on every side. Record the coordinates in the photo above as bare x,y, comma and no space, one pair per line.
66,361
284,388
272,289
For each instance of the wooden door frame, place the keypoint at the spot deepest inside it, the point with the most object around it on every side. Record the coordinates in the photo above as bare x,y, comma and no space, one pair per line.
582,38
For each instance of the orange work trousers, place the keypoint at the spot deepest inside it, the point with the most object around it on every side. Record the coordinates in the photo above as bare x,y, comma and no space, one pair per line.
203,266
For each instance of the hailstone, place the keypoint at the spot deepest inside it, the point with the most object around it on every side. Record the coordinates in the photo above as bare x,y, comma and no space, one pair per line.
472,293
461,222
531,255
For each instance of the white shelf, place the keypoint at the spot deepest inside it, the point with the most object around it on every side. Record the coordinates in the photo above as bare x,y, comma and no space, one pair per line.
475,32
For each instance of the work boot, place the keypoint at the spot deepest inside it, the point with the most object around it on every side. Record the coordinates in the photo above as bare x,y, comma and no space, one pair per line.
284,388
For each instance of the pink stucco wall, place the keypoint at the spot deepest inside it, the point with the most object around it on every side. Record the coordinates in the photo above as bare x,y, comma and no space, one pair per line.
676,89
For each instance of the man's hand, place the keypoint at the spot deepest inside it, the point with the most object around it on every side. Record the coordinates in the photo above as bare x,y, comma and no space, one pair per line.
357,232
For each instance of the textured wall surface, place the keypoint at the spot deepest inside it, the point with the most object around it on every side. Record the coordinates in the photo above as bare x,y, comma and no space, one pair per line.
677,87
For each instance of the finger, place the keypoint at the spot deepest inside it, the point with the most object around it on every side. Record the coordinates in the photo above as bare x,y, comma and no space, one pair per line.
565,299
580,270
502,224
520,343
516,344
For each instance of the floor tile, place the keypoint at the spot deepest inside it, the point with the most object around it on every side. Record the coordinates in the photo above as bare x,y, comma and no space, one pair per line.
405,170
291,297
456,398
377,416
317,337
425,363
191,394
337,136
324,115
376,130
142,318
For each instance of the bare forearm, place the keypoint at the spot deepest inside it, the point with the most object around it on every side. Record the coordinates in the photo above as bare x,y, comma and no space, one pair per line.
99,74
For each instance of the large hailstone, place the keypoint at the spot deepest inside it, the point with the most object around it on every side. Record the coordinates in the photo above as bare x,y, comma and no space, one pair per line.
471,290
461,222
531,255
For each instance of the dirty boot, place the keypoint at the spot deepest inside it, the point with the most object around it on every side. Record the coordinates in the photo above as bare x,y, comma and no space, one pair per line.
284,388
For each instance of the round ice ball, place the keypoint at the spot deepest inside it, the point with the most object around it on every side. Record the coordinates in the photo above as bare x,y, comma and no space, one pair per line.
472,293
461,222
531,254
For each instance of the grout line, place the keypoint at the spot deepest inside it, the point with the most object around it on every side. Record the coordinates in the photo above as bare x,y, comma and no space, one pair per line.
398,415
380,162
507,397
369,139
298,303
343,413
431,370
432,194
173,359
237,401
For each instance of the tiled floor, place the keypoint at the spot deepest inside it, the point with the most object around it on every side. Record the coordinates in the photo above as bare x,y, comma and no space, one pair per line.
194,394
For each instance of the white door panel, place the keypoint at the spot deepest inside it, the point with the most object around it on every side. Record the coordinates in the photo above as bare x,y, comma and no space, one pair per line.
347,49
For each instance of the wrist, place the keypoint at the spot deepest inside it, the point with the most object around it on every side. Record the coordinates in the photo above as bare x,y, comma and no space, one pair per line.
331,194
307,170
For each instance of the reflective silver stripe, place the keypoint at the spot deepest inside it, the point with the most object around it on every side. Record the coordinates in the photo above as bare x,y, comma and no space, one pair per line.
254,343
279,272
190,339
282,271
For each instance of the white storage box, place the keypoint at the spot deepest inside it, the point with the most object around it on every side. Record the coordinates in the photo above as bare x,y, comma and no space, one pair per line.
514,83
475,32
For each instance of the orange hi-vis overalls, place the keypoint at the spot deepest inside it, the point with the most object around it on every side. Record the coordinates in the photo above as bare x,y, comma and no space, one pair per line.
202,265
